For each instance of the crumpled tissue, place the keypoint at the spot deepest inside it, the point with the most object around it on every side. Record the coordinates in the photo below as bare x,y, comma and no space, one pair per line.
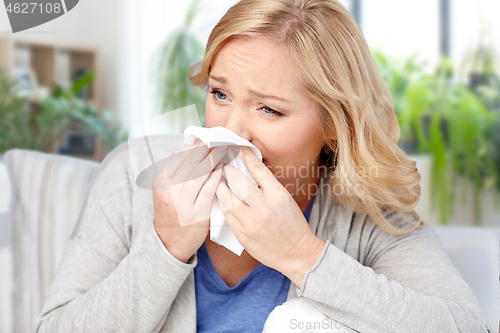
220,231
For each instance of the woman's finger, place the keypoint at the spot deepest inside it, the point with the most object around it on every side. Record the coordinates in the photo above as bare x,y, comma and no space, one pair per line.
201,172
178,159
191,187
230,203
190,163
259,171
241,184
205,198
233,222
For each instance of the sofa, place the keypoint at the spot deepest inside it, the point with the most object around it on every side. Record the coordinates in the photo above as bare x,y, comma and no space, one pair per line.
48,191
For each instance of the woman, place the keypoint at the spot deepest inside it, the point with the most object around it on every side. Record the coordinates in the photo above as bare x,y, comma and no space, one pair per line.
296,79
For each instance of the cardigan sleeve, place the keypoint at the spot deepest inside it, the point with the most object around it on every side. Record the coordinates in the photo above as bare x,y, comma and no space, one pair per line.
410,285
106,282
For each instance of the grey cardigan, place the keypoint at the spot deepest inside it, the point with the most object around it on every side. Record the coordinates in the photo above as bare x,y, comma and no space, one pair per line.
116,275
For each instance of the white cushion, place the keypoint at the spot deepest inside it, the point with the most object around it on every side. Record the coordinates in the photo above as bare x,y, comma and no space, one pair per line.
300,315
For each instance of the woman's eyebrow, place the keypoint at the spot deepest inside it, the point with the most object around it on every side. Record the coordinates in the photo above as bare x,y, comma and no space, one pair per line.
223,80
220,79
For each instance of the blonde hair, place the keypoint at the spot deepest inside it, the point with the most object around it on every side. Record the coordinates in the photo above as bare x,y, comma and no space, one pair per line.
338,72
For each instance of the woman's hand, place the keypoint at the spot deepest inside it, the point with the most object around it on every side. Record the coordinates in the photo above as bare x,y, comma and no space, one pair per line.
270,226
183,201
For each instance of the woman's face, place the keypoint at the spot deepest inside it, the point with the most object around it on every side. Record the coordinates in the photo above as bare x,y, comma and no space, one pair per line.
244,77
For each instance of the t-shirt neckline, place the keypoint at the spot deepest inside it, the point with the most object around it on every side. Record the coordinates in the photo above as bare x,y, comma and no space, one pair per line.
217,279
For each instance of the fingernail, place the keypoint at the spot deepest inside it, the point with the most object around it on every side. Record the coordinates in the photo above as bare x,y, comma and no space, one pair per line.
218,166
221,148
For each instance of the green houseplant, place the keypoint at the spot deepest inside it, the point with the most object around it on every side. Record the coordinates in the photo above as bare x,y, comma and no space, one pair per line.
399,76
63,108
36,125
14,115
170,70
483,68
447,121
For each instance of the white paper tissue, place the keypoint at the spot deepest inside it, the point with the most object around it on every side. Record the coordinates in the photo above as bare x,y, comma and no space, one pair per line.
220,231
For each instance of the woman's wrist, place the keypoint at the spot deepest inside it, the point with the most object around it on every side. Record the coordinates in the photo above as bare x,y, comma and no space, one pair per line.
179,256
304,260
174,250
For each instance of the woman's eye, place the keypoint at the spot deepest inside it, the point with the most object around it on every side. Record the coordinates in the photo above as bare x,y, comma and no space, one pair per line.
271,111
221,96
268,111
218,94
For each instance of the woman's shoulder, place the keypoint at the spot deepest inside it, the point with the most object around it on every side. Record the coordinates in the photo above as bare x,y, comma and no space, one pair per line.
114,195
136,162
374,241
357,234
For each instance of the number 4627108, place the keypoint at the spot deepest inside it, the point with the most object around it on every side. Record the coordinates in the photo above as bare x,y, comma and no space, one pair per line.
34,7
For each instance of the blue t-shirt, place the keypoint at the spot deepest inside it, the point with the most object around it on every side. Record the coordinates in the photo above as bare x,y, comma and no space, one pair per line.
243,307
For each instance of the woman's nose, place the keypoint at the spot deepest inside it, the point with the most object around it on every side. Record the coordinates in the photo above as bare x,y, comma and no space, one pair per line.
239,124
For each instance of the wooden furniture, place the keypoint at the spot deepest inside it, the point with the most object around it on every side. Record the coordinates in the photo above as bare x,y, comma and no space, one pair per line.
46,61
